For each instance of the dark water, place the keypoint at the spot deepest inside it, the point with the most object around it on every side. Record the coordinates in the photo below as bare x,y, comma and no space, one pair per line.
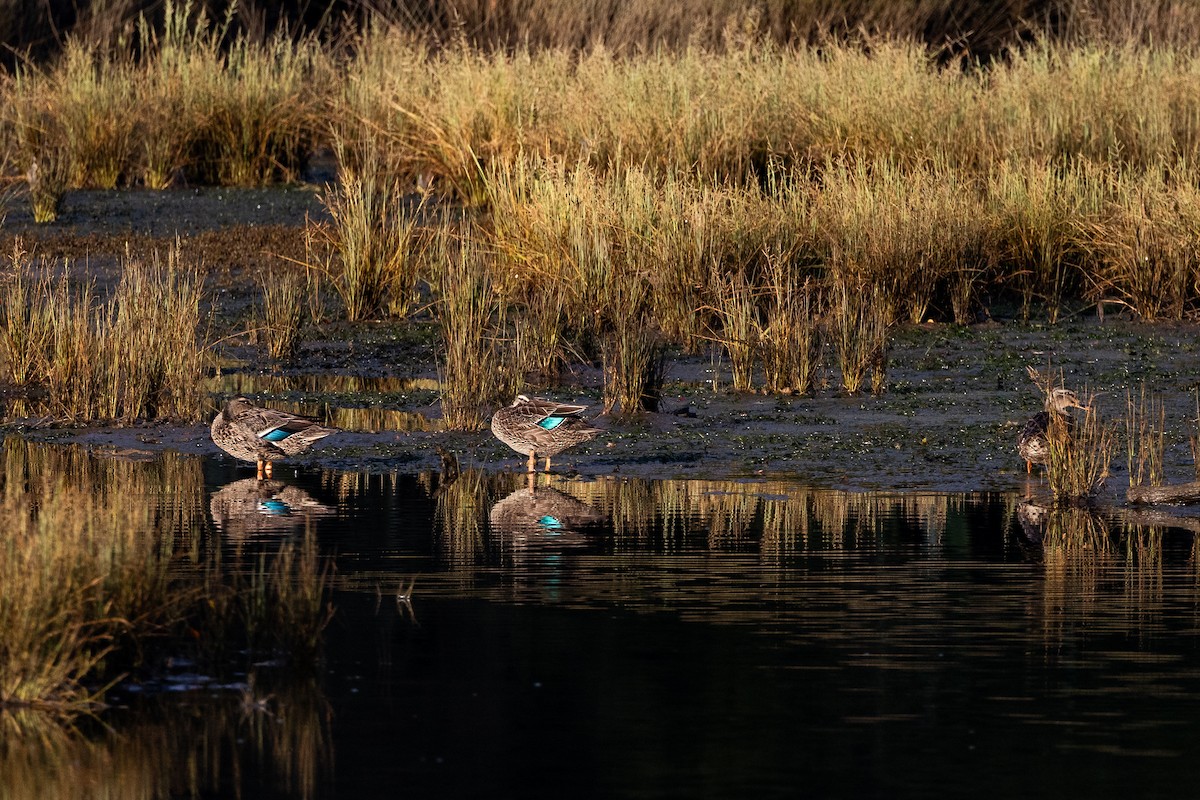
639,638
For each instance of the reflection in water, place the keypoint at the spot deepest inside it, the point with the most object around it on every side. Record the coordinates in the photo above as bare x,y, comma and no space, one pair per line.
536,515
233,744
251,506
111,568
1032,519
761,619
240,383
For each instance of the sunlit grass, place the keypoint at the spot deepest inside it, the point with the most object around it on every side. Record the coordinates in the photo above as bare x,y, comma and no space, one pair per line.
137,354
1080,453
478,366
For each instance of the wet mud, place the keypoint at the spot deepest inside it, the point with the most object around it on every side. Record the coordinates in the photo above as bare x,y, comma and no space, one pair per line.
956,401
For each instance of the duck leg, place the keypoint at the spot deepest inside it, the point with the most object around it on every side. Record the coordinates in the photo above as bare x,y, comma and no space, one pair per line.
532,461
1028,467
269,463
547,463
259,464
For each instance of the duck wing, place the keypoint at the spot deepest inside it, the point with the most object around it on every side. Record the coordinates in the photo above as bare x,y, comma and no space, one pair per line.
289,432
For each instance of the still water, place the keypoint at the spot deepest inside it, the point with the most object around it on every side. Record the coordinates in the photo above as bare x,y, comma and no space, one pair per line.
663,638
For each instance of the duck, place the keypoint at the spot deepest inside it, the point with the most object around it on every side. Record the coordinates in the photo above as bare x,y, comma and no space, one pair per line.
264,435
538,427
1034,442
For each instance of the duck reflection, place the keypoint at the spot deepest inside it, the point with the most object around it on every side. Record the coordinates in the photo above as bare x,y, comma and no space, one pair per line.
543,515
1032,519
251,507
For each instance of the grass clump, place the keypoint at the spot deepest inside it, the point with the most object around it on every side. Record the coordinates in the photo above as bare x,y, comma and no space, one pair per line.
1080,454
285,293
478,367
367,252
136,355
1145,425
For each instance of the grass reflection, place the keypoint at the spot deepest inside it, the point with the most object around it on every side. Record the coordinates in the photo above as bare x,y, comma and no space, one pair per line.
775,517
107,566
232,742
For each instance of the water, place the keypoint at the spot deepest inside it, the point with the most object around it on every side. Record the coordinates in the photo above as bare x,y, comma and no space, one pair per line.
656,638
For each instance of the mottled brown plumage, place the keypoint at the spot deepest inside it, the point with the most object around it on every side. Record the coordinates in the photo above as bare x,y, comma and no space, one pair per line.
1034,443
263,435
538,427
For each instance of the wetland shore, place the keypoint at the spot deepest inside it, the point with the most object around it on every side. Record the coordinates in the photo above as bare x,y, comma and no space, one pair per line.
948,422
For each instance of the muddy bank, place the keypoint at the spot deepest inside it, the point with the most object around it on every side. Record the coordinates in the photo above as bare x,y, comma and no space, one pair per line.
949,420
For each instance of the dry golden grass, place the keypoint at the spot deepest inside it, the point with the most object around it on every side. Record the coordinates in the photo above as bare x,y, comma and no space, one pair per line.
103,557
285,291
136,355
479,370
1145,425
1080,454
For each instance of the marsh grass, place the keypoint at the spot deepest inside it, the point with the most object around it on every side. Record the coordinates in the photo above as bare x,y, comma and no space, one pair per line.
368,252
251,107
739,331
791,336
1146,258
1194,435
94,95
136,355
49,172
478,367
862,324
1033,206
1145,426
285,292
1080,454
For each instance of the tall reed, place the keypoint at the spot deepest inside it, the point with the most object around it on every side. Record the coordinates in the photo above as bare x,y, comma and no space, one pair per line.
1145,426
285,291
861,323
739,329
790,336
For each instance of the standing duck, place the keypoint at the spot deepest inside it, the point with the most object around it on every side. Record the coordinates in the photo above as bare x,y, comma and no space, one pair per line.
541,427
1034,443
263,435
